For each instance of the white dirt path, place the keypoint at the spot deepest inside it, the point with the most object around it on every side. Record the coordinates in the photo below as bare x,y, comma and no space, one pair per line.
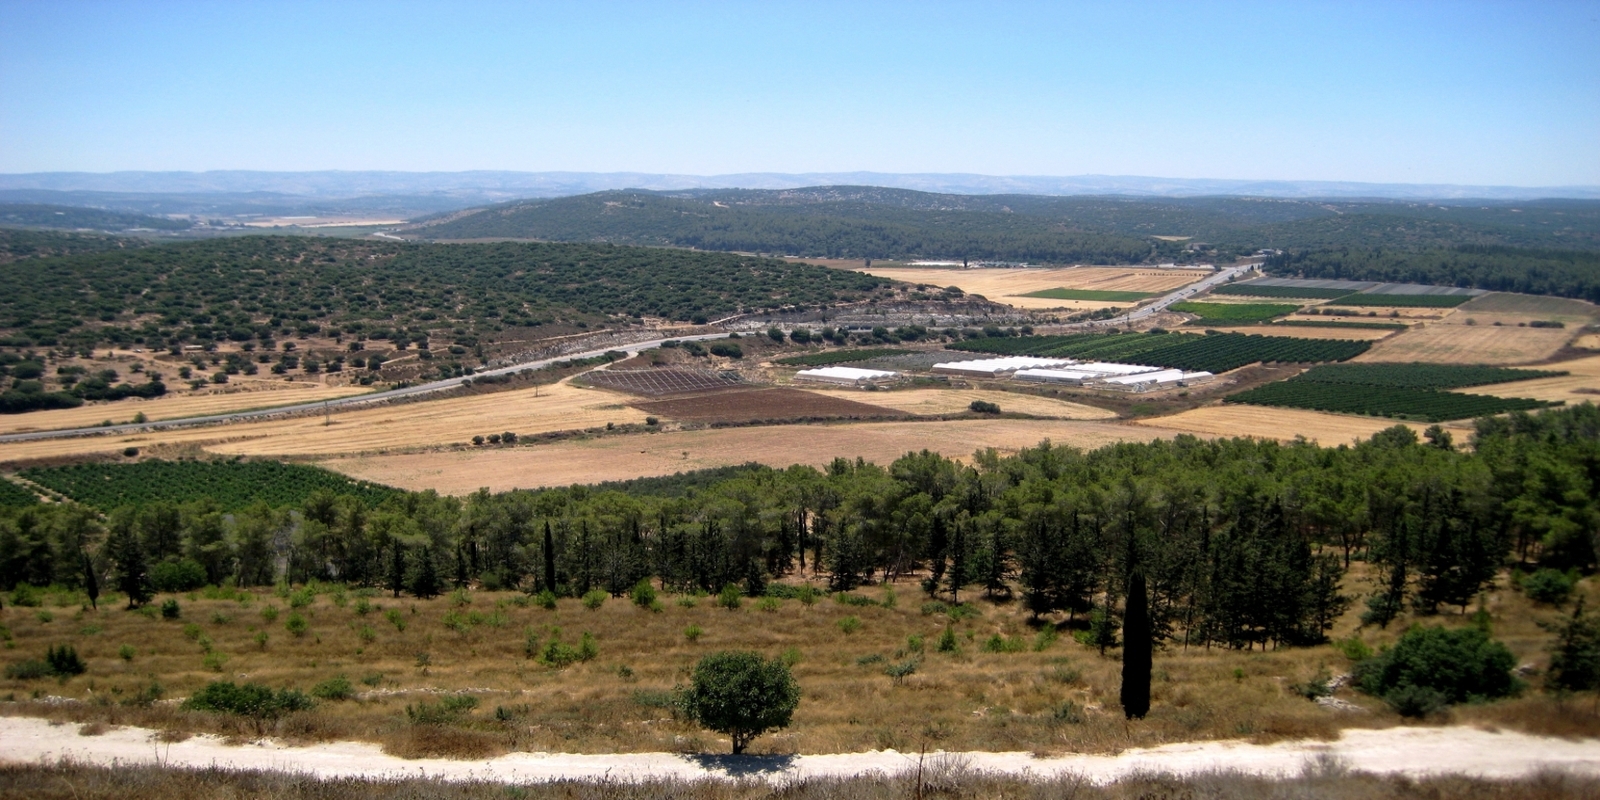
1413,751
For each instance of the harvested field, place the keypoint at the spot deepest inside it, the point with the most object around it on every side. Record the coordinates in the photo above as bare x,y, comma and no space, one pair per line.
455,420
613,458
1583,385
1299,332
1533,306
1283,424
934,402
177,406
1588,341
663,381
1469,344
1010,285
763,404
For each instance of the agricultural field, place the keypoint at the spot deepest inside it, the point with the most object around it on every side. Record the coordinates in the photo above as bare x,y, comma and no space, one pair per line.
1450,343
1251,289
752,405
1099,295
1215,353
1233,313
1427,405
1533,307
661,381
14,496
938,402
1420,376
399,426
1376,300
1313,322
1331,330
238,397
1012,286
1579,384
828,357
232,485
615,458
1283,424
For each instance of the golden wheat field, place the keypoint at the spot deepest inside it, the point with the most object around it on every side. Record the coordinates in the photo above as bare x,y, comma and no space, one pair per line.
428,423
1284,424
1441,343
1008,285
1582,385
621,457
934,402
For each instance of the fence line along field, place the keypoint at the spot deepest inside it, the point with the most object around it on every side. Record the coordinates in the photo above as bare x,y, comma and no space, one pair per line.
1459,343
429,423
265,394
614,458
936,402
1012,286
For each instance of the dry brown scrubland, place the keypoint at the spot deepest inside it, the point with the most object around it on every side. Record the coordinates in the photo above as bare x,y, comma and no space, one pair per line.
78,782
1045,695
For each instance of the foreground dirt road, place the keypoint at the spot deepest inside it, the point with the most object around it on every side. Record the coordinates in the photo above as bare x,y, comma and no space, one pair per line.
1409,751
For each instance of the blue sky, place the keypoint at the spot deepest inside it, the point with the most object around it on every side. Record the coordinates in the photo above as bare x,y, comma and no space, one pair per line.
1416,92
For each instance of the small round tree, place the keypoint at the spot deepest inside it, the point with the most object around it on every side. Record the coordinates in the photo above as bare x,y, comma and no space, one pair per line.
742,695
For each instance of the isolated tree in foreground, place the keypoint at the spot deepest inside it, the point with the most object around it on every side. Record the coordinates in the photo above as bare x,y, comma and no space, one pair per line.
1136,651
741,694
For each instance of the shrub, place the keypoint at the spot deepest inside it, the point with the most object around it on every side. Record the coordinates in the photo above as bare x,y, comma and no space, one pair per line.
849,625
729,598
847,599
302,597
947,641
1548,586
545,600
643,593
296,625
336,688
740,694
247,700
126,652
28,670
587,649
449,709
26,596
899,672
693,632
177,576
1001,644
170,609
559,654
1354,649
269,614
396,619
984,407
1456,665
594,599
768,604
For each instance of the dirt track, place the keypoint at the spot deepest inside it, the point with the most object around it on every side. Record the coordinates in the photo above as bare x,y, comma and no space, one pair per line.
1408,751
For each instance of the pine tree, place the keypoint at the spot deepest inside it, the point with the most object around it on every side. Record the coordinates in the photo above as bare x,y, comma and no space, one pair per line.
1575,658
425,575
127,551
1136,650
397,566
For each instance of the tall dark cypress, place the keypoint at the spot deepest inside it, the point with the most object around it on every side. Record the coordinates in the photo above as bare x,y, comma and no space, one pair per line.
549,559
91,584
1136,650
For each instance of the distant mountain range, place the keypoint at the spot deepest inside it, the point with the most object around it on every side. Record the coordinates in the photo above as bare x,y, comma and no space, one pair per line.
461,189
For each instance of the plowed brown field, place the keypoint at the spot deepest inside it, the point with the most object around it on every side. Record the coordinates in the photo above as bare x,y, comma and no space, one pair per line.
935,402
763,404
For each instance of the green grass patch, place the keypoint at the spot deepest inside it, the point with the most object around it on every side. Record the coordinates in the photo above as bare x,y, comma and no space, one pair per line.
1211,353
1300,292
1421,376
231,484
1235,313
1422,405
839,357
1098,295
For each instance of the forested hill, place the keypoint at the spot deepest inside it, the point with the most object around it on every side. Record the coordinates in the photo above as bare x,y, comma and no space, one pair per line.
847,227
1564,273
251,287
873,222
18,243
36,215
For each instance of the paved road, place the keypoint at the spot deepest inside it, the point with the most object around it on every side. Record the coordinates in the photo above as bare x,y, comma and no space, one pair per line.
375,397
1220,277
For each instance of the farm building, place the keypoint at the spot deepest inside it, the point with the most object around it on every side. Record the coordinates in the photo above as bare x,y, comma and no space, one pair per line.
995,367
846,376
1069,377
1148,381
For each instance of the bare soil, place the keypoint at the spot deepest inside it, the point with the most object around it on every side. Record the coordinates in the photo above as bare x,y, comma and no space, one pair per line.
763,404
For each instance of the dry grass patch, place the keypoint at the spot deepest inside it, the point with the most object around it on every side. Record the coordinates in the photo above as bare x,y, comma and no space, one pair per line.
1582,385
612,458
1283,424
1439,343
1532,307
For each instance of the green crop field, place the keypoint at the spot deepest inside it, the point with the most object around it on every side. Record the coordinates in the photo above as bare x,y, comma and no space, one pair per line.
1406,300
232,484
1301,292
1421,376
13,496
1091,294
1211,353
839,357
1235,313
1423,405
1311,323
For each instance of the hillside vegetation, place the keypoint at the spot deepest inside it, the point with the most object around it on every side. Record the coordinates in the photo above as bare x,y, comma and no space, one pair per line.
871,222
39,215
1564,273
258,287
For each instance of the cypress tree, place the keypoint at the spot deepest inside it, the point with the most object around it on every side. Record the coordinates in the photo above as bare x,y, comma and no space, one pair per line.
91,584
549,558
1136,650
397,567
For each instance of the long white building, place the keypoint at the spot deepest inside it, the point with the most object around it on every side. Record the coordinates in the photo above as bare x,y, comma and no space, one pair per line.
996,367
846,376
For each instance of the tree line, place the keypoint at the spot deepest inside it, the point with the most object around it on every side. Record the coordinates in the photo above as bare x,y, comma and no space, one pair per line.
1241,543
1563,273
